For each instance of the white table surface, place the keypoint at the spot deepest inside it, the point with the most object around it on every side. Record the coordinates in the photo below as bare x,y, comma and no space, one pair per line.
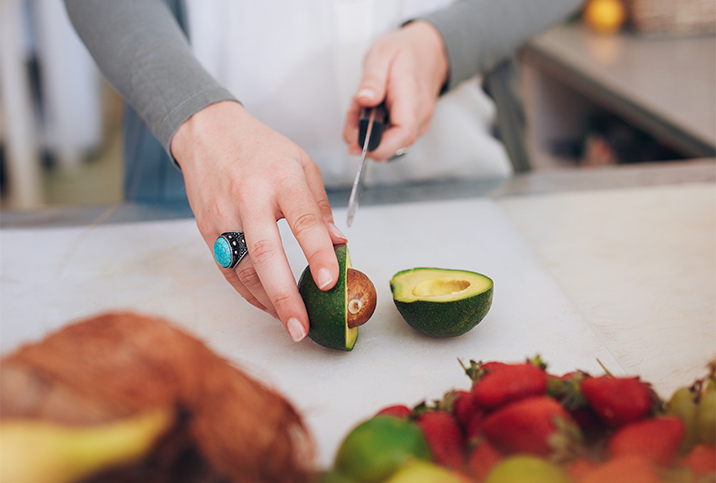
626,277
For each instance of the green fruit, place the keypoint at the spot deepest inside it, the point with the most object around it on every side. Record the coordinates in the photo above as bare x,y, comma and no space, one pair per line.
441,302
336,314
40,451
376,448
682,405
706,418
527,469
424,472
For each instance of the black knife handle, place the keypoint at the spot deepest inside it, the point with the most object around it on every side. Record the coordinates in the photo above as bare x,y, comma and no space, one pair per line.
381,119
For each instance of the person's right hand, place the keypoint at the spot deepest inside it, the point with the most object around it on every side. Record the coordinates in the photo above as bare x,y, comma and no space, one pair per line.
240,175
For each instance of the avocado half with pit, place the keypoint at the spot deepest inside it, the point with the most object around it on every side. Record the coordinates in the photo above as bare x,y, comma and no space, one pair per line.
336,314
441,302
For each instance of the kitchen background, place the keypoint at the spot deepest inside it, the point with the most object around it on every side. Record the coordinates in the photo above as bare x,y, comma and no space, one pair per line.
625,81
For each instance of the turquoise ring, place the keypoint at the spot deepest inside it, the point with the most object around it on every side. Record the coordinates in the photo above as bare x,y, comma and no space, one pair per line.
230,248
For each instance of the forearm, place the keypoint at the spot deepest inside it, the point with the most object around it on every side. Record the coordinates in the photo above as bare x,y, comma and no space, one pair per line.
479,34
143,53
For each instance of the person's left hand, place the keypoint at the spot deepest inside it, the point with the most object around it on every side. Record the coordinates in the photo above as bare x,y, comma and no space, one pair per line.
406,68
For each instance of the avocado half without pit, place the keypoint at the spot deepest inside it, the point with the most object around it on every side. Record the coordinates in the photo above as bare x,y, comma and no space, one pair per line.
441,302
336,314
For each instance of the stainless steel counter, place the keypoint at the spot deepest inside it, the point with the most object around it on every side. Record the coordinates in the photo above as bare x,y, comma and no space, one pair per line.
664,85
536,182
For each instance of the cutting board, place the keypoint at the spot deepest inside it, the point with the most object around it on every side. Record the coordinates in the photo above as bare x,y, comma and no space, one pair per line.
52,276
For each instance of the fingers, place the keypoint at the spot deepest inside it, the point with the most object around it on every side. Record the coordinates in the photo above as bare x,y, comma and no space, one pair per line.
371,92
372,88
311,231
274,275
315,185
245,280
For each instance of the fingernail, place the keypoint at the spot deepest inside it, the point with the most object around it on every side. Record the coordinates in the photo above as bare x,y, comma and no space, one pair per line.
295,329
354,151
369,93
336,232
324,278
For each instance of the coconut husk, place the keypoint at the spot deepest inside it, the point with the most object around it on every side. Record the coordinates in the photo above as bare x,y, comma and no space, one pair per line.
114,365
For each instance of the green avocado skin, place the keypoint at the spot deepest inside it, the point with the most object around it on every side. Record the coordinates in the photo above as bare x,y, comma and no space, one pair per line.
445,319
322,309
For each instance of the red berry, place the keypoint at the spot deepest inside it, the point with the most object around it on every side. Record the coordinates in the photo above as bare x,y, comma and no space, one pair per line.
657,439
444,438
474,427
398,410
624,469
701,459
507,383
463,406
483,459
618,400
526,426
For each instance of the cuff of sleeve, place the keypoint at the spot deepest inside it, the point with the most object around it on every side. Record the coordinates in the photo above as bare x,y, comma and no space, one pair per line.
459,50
183,111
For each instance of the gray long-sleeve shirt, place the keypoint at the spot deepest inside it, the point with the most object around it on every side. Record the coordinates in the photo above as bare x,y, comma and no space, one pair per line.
143,52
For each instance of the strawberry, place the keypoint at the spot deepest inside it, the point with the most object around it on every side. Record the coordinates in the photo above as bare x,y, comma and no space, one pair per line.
463,406
618,400
580,468
624,469
482,459
701,459
398,410
444,438
508,383
474,427
531,425
657,439
476,370
592,428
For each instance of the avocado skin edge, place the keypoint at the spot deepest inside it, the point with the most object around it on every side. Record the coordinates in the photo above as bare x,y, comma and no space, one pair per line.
322,308
448,318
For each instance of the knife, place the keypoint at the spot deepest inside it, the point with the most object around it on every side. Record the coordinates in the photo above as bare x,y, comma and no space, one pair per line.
370,130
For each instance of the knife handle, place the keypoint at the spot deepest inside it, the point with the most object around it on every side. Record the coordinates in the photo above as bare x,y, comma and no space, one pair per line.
381,119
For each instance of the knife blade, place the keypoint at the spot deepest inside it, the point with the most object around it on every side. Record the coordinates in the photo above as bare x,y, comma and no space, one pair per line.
370,131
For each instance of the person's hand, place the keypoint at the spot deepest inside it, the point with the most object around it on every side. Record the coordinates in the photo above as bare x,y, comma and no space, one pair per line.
406,68
242,176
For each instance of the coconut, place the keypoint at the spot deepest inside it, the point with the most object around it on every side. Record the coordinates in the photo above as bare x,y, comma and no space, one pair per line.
230,427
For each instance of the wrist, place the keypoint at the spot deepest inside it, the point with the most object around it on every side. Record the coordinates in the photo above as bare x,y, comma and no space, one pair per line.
202,125
431,42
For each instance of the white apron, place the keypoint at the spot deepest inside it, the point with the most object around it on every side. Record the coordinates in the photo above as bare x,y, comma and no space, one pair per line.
295,64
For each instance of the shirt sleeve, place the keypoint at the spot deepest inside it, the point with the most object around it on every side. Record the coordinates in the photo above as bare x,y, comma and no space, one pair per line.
143,53
479,34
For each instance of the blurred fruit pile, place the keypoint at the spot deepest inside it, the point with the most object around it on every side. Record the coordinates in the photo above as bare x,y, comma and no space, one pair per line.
520,423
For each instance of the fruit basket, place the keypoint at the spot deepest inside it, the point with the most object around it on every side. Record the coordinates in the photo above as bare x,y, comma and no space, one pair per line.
669,17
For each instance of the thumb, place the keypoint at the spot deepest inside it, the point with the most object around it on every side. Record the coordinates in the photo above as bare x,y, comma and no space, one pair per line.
373,84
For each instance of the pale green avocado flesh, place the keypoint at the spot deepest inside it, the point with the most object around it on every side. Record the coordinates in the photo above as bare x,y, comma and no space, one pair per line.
442,302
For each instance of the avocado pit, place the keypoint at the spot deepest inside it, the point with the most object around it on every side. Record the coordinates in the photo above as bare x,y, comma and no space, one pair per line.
360,298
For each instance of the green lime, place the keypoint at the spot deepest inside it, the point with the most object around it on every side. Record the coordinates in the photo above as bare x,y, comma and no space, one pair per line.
376,448
441,302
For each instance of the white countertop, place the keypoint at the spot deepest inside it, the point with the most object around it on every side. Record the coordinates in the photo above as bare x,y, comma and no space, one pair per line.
626,277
